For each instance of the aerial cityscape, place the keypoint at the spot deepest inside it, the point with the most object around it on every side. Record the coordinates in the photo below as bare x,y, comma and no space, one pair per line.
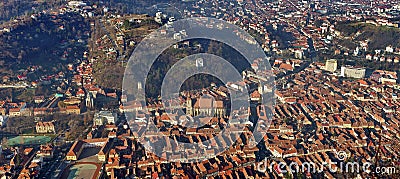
199,89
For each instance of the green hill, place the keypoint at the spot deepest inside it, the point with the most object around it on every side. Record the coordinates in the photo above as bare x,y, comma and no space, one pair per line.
380,36
49,41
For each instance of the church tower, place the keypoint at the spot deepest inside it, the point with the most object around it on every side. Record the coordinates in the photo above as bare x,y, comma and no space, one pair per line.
189,106
89,101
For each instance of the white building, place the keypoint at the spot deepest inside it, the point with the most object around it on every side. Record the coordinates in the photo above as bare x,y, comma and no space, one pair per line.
389,49
3,120
76,4
298,53
331,65
103,117
177,36
158,17
352,72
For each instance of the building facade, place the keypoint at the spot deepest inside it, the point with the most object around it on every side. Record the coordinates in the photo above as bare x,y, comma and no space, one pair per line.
352,72
45,127
205,106
331,65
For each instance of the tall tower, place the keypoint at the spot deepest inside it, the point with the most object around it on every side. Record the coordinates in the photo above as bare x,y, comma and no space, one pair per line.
1,153
189,106
89,101
260,87
139,85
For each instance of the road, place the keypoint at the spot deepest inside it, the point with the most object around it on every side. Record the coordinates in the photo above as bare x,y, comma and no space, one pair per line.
55,174
118,58
13,86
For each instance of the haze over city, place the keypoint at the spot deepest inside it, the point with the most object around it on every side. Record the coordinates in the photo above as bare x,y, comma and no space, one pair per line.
199,89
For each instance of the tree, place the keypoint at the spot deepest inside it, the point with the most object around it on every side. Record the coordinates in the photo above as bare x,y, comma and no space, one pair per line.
4,142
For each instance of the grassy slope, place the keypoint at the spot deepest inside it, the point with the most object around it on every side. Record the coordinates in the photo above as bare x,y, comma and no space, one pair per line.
380,36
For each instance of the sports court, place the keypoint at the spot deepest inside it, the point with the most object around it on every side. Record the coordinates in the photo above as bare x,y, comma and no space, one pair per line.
28,140
82,171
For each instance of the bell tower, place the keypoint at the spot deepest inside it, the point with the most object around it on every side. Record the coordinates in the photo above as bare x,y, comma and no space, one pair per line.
89,101
189,106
